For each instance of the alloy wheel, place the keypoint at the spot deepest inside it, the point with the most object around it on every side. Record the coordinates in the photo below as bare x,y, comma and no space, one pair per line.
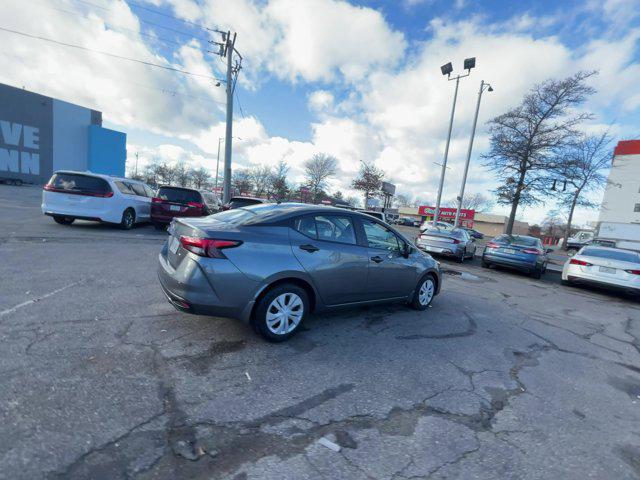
425,294
284,313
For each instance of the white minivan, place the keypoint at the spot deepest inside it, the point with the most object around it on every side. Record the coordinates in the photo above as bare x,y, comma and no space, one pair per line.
73,195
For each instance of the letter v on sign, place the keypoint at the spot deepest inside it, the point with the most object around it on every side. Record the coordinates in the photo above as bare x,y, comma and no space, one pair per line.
10,132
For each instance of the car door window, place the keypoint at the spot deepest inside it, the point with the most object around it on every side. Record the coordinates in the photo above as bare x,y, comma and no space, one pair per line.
138,189
124,188
149,191
380,237
330,228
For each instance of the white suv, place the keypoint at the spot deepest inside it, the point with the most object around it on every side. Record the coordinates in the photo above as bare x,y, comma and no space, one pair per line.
90,196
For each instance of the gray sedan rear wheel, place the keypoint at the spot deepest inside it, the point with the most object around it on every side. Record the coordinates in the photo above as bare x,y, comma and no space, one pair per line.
280,312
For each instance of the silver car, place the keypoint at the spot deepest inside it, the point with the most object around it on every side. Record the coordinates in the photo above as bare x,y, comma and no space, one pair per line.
271,265
609,267
456,243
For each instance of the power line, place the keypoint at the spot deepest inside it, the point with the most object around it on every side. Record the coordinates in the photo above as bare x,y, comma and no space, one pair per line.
168,15
112,26
239,104
157,25
150,64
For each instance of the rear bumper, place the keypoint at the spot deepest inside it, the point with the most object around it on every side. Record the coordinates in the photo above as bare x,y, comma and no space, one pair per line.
446,251
103,214
505,261
188,290
603,284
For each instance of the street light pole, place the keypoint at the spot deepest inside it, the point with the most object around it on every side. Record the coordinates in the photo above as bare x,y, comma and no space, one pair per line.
469,63
456,223
446,154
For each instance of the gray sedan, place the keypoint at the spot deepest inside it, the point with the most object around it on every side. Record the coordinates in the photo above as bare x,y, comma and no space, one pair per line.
273,264
456,243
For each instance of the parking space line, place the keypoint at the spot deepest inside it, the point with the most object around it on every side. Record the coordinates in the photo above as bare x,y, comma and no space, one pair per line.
34,300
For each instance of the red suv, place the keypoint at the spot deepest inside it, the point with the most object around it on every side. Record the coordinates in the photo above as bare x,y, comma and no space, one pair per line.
171,202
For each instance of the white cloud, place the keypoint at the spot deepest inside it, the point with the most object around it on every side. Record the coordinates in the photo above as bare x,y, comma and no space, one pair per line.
321,101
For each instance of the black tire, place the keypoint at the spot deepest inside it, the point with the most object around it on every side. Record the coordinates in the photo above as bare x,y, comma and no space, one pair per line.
259,320
461,258
485,264
566,283
17,182
63,220
415,302
128,219
536,273
159,226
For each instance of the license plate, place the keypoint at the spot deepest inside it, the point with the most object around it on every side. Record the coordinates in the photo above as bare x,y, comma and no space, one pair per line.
510,251
174,208
433,249
173,244
607,270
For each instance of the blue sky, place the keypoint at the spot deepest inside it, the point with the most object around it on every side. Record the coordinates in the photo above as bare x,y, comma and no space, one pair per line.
359,80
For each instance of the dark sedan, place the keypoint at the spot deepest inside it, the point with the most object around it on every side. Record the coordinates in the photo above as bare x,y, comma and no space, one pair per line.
516,251
455,243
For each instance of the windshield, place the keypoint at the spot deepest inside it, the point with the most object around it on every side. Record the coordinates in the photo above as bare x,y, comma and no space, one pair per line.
611,254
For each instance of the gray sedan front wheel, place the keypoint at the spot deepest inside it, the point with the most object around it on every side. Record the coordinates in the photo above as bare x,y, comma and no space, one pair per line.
280,312
424,293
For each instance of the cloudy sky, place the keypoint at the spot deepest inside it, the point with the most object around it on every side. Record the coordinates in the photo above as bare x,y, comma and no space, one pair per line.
358,80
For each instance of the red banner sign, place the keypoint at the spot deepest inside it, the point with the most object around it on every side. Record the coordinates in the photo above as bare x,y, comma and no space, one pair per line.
446,213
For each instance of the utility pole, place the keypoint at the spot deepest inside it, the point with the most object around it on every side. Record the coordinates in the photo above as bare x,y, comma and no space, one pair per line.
456,223
218,165
227,50
136,167
469,63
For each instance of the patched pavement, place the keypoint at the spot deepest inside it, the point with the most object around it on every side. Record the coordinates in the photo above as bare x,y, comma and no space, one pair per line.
504,377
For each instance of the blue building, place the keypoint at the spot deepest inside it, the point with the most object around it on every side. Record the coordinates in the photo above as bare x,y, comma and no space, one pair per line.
39,135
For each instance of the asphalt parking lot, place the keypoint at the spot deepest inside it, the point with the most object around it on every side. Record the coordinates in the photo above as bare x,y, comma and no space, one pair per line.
504,377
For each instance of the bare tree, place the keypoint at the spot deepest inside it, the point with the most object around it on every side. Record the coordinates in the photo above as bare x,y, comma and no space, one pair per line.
318,169
242,181
402,200
368,181
526,140
182,174
582,167
475,201
279,189
200,177
261,178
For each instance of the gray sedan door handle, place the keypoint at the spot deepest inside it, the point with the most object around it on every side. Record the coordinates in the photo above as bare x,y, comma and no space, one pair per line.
309,248
377,259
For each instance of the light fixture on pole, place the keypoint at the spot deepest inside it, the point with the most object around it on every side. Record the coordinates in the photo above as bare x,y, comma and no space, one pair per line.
447,69
489,88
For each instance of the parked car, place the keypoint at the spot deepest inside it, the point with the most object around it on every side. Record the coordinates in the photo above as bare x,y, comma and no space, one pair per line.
406,222
441,225
474,233
379,215
239,202
273,264
516,251
171,202
609,267
455,243
579,240
71,195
